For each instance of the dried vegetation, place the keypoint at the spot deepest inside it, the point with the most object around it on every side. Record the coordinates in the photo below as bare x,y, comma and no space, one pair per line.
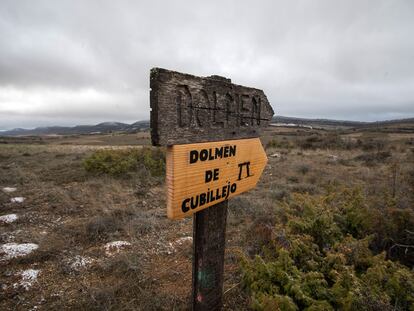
330,226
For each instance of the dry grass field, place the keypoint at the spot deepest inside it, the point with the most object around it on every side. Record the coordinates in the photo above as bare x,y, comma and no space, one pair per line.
88,240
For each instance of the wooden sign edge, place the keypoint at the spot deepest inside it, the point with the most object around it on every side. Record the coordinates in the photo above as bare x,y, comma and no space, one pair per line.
156,140
170,169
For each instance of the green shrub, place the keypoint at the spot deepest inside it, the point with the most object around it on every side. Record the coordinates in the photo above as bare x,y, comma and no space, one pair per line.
274,143
279,194
326,255
123,162
373,144
326,141
100,228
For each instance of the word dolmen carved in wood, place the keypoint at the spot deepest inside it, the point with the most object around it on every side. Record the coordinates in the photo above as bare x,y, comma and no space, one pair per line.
186,108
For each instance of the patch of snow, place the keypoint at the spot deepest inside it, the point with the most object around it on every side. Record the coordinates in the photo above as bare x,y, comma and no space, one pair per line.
7,219
9,189
275,155
28,277
333,157
183,240
13,250
79,262
17,200
291,125
171,247
115,247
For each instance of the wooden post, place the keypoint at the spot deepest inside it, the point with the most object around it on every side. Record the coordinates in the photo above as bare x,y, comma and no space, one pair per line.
209,238
211,128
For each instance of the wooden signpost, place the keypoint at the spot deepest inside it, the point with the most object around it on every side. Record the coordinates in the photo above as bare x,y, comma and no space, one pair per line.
189,109
204,174
210,127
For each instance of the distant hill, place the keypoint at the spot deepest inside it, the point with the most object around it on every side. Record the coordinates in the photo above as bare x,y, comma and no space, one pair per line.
292,121
101,128
110,127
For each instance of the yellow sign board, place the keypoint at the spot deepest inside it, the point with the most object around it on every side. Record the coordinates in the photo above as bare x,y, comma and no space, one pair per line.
203,174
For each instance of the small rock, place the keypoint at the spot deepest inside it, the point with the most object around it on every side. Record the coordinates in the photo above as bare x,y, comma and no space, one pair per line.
7,219
275,155
17,200
9,189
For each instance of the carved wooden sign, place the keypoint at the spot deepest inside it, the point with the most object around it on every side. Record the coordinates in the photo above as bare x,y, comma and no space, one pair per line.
210,127
187,109
203,174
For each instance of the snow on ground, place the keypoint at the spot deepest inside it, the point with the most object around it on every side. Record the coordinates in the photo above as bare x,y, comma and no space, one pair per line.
290,125
13,250
183,240
9,189
333,157
17,200
171,247
28,277
7,219
80,262
115,247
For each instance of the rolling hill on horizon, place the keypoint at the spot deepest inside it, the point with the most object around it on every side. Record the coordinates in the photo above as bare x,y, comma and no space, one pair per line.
110,127
101,128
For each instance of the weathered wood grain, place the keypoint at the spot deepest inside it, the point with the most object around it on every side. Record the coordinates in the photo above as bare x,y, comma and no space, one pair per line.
209,236
203,174
187,109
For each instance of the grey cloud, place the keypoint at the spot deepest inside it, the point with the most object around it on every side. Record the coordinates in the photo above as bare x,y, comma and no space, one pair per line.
339,59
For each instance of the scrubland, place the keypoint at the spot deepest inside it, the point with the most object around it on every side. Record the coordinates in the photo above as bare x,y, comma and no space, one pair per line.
329,226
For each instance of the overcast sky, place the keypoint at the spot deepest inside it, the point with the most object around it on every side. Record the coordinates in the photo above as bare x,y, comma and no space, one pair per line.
83,62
